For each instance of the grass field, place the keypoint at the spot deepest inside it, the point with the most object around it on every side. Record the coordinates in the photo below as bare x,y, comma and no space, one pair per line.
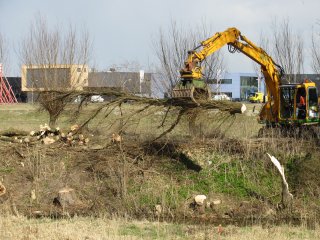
130,181
79,228
28,117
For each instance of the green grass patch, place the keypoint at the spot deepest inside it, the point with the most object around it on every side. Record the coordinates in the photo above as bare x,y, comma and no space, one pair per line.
153,231
6,170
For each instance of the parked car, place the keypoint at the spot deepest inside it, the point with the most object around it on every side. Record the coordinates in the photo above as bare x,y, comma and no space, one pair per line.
96,99
220,97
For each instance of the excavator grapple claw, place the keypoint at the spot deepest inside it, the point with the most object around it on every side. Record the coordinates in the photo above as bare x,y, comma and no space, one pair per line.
192,93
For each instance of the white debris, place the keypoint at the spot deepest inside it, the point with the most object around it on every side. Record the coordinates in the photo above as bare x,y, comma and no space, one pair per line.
286,195
158,209
243,108
33,195
199,199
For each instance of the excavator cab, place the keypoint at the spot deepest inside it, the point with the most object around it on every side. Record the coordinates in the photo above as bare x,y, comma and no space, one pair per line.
298,104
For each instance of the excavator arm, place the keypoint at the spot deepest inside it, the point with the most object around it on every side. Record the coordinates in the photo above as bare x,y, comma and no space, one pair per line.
271,71
235,41
192,67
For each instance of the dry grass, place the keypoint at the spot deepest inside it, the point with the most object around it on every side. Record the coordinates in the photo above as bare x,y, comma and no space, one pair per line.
101,228
147,124
142,179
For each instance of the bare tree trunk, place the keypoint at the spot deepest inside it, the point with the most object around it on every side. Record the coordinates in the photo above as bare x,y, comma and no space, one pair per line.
4,54
121,125
194,130
53,120
47,50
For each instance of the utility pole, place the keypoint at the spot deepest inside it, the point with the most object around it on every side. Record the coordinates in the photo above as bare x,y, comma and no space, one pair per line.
141,79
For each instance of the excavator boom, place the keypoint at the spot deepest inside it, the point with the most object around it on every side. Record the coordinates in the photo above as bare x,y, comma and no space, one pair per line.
278,109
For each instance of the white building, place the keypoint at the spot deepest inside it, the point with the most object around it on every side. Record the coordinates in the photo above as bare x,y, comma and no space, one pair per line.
237,85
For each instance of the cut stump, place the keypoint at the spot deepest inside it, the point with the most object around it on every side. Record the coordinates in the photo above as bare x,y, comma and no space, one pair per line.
66,198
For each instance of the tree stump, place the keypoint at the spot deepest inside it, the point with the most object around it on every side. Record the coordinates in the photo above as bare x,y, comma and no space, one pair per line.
66,198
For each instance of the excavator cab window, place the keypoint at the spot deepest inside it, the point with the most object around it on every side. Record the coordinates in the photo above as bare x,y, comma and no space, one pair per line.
301,103
312,97
313,110
286,102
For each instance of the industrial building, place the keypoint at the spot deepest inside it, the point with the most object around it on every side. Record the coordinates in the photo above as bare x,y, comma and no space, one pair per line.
79,77
138,83
238,86
58,77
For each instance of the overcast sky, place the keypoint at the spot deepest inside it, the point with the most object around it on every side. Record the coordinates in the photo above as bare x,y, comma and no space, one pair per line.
122,30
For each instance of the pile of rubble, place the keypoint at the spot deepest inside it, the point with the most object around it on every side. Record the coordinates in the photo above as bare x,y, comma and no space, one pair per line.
48,135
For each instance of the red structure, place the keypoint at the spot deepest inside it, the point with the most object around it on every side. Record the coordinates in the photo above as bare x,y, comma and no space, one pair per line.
6,93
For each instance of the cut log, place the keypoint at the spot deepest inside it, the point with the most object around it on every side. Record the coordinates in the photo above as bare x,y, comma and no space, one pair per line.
6,139
81,137
48,140
116,138
74,128
30,139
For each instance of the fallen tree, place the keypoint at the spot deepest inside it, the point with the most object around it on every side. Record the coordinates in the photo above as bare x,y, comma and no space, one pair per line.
180,107
184,106
225,106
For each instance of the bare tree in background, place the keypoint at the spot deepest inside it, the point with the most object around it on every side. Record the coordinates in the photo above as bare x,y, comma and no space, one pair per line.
315,50
264,43
4,54
171,48
47,48
287,49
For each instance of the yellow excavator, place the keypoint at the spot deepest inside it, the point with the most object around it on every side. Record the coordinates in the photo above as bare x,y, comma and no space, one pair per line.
287,104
